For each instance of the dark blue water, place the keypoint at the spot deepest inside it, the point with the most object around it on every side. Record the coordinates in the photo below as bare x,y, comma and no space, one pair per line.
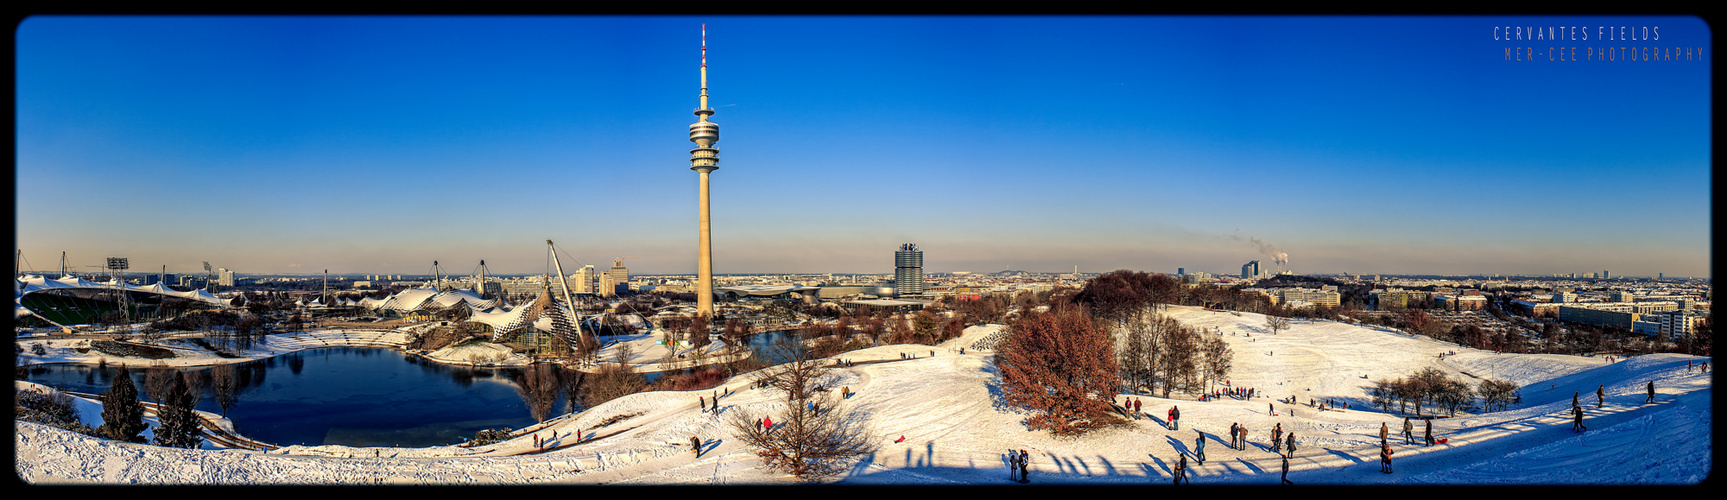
345,395
358,396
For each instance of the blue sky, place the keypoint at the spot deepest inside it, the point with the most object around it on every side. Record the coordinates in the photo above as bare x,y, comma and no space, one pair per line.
380,144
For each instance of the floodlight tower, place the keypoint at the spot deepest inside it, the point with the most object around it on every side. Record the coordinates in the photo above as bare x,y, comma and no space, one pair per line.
116,268
704,159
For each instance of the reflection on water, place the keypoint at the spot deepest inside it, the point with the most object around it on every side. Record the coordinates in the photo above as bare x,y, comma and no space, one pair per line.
360,396
344,395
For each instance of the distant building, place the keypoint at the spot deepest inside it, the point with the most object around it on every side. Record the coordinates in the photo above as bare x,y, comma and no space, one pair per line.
1597,317
585,279
1461,302
225,277
1250,270
615,281
1621,296
1315,297
908,271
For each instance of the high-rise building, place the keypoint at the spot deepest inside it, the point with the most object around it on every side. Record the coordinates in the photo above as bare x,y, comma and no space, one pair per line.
908,271
704,159
225,278
615,281
585,279
1250,270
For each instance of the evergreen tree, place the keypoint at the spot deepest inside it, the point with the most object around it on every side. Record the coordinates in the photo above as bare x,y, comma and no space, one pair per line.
122,413
179,424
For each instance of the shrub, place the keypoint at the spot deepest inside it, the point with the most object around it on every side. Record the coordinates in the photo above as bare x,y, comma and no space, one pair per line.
489,436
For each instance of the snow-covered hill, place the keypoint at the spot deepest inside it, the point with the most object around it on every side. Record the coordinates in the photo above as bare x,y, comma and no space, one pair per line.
948,407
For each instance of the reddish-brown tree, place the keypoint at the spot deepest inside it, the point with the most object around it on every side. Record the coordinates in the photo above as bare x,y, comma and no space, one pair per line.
1061,364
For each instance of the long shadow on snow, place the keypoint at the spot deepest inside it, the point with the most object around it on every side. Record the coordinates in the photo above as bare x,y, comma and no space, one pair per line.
1180,447
1344,455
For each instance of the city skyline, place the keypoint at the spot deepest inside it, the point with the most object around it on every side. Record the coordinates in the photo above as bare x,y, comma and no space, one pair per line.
376,145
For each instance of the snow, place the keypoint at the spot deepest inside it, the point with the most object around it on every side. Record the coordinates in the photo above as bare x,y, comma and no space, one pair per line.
950,409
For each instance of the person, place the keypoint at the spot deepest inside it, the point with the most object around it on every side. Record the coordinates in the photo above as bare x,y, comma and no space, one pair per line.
1181,470
1277,438
1270,409
1136,406
1012,465
1024,466
1174,418
1199,448
768,423
696,444
900,440
1286,471
1408,431
1651,398
1169,418
703,403
1573,400
1234,435
1385,458
1383,432
1430,428
1577,420
1687,366
1291,443
1600,395
1243,437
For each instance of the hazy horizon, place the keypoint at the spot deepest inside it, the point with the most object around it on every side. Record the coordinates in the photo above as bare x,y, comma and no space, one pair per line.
376,145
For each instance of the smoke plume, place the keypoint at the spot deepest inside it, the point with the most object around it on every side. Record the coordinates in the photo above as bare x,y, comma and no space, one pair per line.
1272,253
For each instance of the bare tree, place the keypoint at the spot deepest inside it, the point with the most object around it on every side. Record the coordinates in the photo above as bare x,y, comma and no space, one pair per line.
538,386
1276,323
1060,364
158,380
225,385
812,439
1218,358
613,380
1497,393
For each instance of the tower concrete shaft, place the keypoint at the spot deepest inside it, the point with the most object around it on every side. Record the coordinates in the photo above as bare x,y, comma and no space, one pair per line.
704,159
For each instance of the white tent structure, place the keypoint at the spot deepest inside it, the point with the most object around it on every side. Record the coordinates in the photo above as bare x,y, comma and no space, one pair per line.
33,284
30,284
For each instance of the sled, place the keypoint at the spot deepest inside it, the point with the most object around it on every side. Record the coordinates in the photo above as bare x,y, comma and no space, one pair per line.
1442,441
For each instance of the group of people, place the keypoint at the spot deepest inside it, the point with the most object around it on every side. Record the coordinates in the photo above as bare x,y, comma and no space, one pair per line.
1702,366
1238,392
1016,465
1174,418
1408,438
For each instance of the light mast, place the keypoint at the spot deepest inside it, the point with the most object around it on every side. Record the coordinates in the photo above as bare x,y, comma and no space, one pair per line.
704,159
